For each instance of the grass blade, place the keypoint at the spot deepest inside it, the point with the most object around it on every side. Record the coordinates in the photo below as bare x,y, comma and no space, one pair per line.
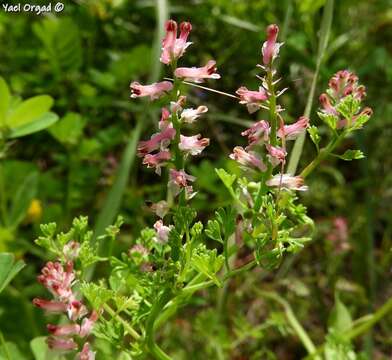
324,36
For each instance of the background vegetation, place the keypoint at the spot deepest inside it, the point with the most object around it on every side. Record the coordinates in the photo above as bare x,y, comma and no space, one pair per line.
85,58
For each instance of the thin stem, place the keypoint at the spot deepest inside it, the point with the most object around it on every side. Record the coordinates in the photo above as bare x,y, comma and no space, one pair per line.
127,327
323,154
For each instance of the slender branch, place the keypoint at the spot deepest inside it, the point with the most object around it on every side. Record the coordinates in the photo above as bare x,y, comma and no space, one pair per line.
127,327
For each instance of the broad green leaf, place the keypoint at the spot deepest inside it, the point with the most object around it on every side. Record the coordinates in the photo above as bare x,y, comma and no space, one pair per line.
29,110
69,129
40,348
8,269
22,199
339,318
5,98
352,155
41,123
213,231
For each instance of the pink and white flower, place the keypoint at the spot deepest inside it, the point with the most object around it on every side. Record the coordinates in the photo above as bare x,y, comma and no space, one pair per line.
71,250
291,132
164,122
252,99
63,330
58,280
288,182
198,75
193,145
190,115
176,106
258,133
49,306
178,179
327,106
345,83
76,310
88,324
366,111
270,49
247,159
161,232
276,154
154,91
158,141
157,160
86,353
173,48
61,344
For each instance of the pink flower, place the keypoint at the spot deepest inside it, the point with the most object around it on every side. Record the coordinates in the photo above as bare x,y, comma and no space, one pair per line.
76,310
71,250
257,133
252,98
63,330
50,306
138,248
164,122
189,116
277,155
270,49
61,344
339,234
198,75
193,144
291,132
286,181
173,48
247,159
327,106
88,324
158,141
345,83
86,353
157,160
57,280
176,106
179,180
154,91
162,232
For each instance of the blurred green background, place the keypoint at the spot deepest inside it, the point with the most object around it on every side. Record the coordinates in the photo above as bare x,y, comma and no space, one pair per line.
86,56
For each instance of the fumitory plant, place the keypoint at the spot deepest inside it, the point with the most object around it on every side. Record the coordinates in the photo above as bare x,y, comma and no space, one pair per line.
169,262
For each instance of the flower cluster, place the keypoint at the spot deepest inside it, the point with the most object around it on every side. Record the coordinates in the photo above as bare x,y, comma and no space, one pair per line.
59,279
266,141
343,97
169,147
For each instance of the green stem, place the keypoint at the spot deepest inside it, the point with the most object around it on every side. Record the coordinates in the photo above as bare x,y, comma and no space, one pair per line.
3,199
127,327
324,152
156,309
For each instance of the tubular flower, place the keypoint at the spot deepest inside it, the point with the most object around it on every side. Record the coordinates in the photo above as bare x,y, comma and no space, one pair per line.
76,310
287,181
158,141
176,106
157,160
88,324
276,154
179,180
327,106
71,250
193,144
86,353
198,75
154,91
247,159
61,344
257,133
173,48
63,330
54,307
164,122
161,232
252,98
189,116
270,49
291,132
